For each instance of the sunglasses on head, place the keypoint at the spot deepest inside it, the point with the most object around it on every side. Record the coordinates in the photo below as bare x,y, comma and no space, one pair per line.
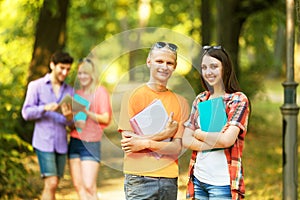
206,48
86,60
171,46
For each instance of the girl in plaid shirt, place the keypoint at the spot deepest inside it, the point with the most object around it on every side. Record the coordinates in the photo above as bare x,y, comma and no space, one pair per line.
216,170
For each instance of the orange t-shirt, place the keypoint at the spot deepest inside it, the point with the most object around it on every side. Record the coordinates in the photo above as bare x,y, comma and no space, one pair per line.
143,163
99,103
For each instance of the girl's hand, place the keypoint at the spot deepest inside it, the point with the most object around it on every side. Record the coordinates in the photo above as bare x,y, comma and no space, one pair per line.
199,134
80,124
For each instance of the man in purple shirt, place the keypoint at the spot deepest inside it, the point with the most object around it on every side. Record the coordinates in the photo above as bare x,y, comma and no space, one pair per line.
49,136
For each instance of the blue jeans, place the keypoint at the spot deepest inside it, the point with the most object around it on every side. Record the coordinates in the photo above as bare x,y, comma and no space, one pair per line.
51,163
150,188
84,150
205,191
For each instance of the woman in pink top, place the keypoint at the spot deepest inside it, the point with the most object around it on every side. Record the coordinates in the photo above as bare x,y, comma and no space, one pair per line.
85,143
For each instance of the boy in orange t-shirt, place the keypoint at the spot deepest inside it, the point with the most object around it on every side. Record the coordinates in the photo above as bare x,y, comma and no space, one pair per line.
147,176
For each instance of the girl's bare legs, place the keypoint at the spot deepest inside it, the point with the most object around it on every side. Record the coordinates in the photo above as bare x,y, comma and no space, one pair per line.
84,175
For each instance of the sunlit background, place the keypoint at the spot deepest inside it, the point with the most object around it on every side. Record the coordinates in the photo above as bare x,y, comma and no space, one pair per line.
117,34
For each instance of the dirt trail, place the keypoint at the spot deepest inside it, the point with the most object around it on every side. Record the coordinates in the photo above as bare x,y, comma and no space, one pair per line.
111,189
110,179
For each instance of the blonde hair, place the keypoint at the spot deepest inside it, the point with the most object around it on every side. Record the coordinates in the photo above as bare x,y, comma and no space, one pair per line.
165,46
88,66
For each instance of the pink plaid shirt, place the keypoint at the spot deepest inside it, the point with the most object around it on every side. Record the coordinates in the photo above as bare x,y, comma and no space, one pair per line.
237,109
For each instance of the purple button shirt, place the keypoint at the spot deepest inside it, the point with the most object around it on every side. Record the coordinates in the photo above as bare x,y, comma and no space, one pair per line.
50,127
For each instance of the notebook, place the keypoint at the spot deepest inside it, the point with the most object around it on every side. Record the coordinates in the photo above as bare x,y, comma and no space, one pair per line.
78,102
212,115
151,120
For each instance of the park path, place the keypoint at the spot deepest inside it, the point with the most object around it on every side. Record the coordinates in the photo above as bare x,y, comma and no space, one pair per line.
108,190
110,178
111,189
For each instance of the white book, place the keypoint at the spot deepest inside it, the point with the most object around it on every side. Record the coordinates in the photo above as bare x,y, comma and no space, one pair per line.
151,120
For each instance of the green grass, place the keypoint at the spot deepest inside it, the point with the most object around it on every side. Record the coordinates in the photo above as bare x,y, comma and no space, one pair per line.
263,147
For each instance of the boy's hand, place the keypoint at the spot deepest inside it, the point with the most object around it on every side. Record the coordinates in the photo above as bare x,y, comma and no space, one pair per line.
171,126
66,110
51,106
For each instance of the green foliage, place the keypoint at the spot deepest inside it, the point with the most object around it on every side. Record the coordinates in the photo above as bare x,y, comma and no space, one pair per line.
13,173
10,103
257,50
249,78
17,22
91,22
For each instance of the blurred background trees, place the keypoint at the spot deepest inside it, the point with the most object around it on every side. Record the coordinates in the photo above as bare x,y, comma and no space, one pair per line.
252,31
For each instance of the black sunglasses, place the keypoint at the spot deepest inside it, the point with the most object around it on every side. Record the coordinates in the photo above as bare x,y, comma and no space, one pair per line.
171,46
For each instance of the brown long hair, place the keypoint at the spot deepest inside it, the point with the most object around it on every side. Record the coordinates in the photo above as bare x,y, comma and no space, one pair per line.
229,78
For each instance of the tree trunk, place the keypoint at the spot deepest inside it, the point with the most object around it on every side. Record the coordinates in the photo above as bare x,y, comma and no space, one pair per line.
279,52
206,28
50,36
231,15
229,25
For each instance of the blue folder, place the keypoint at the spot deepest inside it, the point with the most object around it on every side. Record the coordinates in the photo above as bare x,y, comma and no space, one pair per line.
81,115
212,115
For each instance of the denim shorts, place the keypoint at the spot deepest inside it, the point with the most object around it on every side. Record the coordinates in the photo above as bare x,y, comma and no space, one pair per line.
150,188
204,191
84,150
51,163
